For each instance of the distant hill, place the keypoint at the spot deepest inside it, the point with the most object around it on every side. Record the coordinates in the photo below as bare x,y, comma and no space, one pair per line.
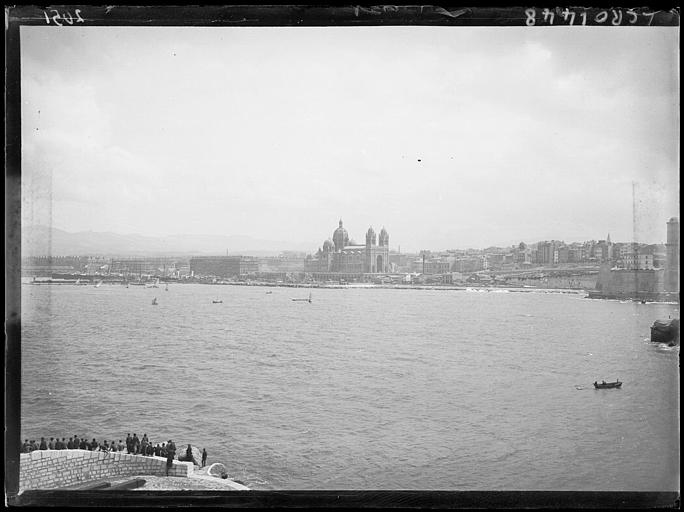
44,241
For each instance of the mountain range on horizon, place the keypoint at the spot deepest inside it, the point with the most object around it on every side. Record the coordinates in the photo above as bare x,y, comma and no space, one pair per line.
40,240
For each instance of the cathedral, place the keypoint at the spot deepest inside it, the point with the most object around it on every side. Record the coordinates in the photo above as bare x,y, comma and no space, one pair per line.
342,254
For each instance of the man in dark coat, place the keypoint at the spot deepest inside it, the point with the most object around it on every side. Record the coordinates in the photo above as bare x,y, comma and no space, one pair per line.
204,457
170,453
83,445
43,444
129,443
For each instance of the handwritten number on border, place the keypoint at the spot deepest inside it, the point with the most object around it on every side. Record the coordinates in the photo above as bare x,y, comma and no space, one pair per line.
67,17
547,16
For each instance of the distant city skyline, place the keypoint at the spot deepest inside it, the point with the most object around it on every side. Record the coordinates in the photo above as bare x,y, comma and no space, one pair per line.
449,137
45,237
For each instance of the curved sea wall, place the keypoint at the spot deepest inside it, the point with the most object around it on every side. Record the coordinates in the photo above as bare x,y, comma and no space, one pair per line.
52,469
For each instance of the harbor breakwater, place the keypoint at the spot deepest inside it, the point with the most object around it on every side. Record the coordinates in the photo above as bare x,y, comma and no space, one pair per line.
54,469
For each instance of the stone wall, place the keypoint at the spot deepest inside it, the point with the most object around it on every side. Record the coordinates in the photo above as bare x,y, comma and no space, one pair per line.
52,469
630,283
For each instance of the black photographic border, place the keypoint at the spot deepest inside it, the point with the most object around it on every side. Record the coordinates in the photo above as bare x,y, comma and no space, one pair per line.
255,16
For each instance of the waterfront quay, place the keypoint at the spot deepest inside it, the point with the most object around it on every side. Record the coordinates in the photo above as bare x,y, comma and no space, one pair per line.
577,279
86,469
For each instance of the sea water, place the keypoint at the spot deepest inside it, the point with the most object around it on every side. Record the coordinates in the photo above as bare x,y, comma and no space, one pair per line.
364,388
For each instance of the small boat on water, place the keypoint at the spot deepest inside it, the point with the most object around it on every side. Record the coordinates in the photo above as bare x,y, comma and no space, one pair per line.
607,385
154,301
303,300
217,301
268,293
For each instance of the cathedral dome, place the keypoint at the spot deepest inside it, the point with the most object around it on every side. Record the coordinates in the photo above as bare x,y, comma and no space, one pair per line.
340,237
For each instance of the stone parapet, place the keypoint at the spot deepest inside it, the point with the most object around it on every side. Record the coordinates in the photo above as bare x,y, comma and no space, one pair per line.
53,469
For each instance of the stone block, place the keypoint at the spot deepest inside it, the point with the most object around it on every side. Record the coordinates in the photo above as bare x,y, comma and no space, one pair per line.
36,455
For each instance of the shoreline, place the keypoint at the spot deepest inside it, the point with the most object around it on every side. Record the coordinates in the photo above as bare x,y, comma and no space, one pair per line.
661,298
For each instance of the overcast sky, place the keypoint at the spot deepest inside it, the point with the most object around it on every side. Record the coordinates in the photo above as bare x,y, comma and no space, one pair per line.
449,137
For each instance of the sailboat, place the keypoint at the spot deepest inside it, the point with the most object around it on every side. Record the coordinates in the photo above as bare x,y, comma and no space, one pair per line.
304,300
98,284
154,301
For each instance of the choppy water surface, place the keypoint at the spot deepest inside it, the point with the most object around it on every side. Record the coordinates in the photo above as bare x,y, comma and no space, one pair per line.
363,388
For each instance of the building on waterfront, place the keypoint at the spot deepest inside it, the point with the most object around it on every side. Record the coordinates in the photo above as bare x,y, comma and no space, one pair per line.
342,255
146,266
285,262
547,252
223,266
636,276
48,265
672,256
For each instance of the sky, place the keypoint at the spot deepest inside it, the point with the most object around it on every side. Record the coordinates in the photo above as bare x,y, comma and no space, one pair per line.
449,137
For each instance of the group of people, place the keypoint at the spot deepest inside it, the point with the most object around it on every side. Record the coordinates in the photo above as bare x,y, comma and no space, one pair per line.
134,446
74,443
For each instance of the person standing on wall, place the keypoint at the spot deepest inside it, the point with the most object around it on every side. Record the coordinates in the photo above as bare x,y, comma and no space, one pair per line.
204,457
170,453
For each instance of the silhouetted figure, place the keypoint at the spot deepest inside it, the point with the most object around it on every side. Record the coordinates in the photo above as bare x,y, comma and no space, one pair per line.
26,447
136,444
170,454
189,456
43,444
51,444
129,443
204,457
83,445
